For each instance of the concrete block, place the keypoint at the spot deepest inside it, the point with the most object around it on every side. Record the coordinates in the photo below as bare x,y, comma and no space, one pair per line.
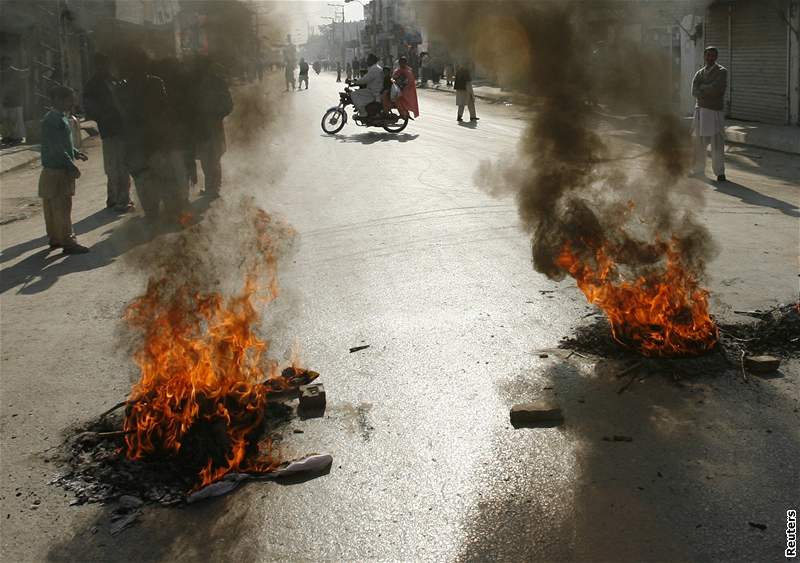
543,412
762,364
312,401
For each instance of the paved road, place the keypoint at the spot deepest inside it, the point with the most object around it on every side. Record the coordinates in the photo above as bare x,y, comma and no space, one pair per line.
397,249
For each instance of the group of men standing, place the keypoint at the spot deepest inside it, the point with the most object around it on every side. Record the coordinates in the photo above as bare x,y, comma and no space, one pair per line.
156,119
155,123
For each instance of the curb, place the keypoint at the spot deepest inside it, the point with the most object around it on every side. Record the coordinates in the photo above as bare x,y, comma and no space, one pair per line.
784,139
17,159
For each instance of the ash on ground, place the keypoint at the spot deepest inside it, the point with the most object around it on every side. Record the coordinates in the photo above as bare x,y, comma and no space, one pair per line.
776,332
96,470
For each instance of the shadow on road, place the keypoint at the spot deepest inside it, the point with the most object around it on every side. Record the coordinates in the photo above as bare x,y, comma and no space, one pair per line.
752,197
370,138
208,531
40,271
468,124
708,456
85,225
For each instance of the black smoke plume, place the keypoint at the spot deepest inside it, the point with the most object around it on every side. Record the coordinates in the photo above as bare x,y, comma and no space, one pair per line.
569,182
610,221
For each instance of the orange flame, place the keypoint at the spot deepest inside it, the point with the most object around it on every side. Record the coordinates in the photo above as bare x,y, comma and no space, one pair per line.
662,313
201,394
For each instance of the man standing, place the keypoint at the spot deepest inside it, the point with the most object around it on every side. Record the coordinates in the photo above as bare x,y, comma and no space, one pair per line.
214,103
708,86
303,73
142,102
289,61
338,71
373,84
464,94
57,179
98,101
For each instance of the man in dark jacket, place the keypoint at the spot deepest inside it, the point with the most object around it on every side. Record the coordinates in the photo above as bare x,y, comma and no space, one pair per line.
214,103
464,93
142,102
708,86
98,102
303,75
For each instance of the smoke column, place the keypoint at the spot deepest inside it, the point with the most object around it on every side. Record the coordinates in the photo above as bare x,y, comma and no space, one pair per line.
572,191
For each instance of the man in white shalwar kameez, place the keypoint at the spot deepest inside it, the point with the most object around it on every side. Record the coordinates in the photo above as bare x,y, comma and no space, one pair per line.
708,86
373,84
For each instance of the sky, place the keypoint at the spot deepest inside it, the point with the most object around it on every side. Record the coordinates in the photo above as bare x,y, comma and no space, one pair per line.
303,13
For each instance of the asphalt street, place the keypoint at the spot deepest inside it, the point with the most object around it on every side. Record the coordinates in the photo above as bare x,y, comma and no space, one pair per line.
396,248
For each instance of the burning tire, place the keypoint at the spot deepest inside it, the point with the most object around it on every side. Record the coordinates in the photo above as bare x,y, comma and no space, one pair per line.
333,120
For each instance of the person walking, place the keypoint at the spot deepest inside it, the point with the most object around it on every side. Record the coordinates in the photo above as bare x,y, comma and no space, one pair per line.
464,93
303,74
349,71
57,179
98,102
338,71
708,86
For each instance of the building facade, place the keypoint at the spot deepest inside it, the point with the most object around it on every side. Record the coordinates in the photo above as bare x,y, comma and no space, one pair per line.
393,28
758,43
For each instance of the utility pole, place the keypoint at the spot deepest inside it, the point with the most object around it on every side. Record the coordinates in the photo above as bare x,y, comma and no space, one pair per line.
338,9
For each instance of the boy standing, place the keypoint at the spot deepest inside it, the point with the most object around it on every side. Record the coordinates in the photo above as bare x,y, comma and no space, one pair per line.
57,181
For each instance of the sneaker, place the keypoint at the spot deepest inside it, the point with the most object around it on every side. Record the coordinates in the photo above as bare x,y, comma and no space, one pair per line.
124,208
722,178
460,120
75,249
474,118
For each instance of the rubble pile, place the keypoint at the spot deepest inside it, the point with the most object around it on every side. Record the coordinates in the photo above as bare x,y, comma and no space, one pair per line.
777,331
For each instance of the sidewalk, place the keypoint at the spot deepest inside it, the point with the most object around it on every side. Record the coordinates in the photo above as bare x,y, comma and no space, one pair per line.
783,138
486,92
16,157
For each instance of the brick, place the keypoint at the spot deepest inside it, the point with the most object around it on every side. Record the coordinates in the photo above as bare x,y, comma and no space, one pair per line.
543,412
312,400
762,364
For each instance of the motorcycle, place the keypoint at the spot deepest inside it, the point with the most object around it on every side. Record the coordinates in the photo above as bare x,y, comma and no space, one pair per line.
336,117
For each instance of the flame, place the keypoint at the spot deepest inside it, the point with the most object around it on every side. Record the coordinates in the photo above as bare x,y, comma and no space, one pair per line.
204,381
661,313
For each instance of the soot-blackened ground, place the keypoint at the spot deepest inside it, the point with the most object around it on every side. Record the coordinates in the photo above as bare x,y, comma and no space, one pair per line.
776,332
96,470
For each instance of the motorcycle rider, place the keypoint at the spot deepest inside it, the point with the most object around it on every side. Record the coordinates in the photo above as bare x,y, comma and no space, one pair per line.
373,84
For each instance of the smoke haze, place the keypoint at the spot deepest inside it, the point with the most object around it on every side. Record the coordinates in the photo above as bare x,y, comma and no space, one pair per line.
569,183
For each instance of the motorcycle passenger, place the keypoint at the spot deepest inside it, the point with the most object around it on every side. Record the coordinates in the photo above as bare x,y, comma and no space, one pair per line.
373,84
387,89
